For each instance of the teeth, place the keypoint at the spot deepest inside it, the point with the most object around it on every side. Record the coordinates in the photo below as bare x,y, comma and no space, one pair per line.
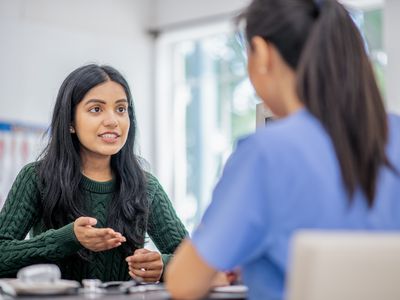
109,136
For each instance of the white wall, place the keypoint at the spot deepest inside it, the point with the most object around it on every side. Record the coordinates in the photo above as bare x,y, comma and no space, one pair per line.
392,47
43,40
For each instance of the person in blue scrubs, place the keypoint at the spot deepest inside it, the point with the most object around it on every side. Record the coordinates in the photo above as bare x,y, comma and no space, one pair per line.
330,161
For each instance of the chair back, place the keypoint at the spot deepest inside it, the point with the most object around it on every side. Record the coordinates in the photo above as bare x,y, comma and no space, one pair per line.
328,265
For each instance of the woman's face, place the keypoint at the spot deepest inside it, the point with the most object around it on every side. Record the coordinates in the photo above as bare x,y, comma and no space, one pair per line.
102,120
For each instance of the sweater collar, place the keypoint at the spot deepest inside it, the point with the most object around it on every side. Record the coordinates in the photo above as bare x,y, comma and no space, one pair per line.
97,186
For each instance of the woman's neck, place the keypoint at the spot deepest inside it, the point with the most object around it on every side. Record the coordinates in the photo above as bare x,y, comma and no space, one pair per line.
288,94
97,169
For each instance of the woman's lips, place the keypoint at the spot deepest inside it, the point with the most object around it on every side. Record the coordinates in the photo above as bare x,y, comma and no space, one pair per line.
109,137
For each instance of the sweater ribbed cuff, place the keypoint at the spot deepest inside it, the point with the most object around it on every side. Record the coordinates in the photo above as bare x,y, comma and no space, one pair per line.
66,236
165,259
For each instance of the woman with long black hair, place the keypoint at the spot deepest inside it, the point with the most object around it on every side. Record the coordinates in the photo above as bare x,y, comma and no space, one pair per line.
87,199
330,161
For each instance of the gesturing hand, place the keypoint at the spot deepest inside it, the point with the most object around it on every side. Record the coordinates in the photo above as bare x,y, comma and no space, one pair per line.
145,265
96,239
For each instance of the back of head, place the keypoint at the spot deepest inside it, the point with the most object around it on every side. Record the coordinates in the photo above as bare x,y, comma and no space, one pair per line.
335,81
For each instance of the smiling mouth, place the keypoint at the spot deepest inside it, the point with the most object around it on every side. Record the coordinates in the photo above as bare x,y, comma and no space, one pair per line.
109,135
109,138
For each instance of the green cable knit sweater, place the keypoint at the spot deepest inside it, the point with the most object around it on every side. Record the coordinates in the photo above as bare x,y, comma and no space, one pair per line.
21,214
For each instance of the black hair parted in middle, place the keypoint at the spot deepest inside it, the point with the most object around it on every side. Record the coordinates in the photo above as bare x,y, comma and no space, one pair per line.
59,167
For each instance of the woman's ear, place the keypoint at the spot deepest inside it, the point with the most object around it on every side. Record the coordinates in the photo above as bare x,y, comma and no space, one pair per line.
261,54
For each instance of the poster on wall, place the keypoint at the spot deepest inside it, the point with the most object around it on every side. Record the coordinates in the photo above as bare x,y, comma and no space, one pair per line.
19,145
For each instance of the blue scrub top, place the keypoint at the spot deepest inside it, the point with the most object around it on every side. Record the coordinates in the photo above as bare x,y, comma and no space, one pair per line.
280,179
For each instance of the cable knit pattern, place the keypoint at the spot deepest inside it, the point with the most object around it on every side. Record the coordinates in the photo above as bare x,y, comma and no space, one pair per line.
21,214
166,231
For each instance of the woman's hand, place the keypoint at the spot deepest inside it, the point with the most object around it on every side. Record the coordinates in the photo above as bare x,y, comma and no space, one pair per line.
225,278
233,276
96,239
145,265
220,279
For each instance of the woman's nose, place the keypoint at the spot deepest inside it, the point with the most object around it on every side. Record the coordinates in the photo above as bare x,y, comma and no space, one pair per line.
110,121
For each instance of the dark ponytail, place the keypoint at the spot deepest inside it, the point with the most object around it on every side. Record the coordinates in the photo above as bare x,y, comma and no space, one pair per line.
337,84
335,80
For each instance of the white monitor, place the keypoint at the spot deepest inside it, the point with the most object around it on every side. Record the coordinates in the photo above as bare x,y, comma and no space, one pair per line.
263,115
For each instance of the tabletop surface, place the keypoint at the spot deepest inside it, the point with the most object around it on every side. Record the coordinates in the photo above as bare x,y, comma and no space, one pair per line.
145,295
70,290
136,296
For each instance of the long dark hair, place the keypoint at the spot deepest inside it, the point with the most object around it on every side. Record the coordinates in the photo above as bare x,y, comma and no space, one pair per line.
60,163
335,80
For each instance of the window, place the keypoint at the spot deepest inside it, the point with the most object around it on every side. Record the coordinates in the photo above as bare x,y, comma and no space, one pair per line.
212,103
369,20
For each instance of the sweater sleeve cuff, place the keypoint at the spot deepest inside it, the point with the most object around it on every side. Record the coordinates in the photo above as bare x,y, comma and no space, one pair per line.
165,259
66,236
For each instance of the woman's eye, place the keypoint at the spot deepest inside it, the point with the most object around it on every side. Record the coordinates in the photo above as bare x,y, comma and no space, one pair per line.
95,109
121,109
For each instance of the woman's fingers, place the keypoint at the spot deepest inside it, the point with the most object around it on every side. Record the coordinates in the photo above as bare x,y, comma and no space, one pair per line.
97,235
99,232
156,265
96,239
108,244
220,279
145,273
146,264
85,221
145,278
144,257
